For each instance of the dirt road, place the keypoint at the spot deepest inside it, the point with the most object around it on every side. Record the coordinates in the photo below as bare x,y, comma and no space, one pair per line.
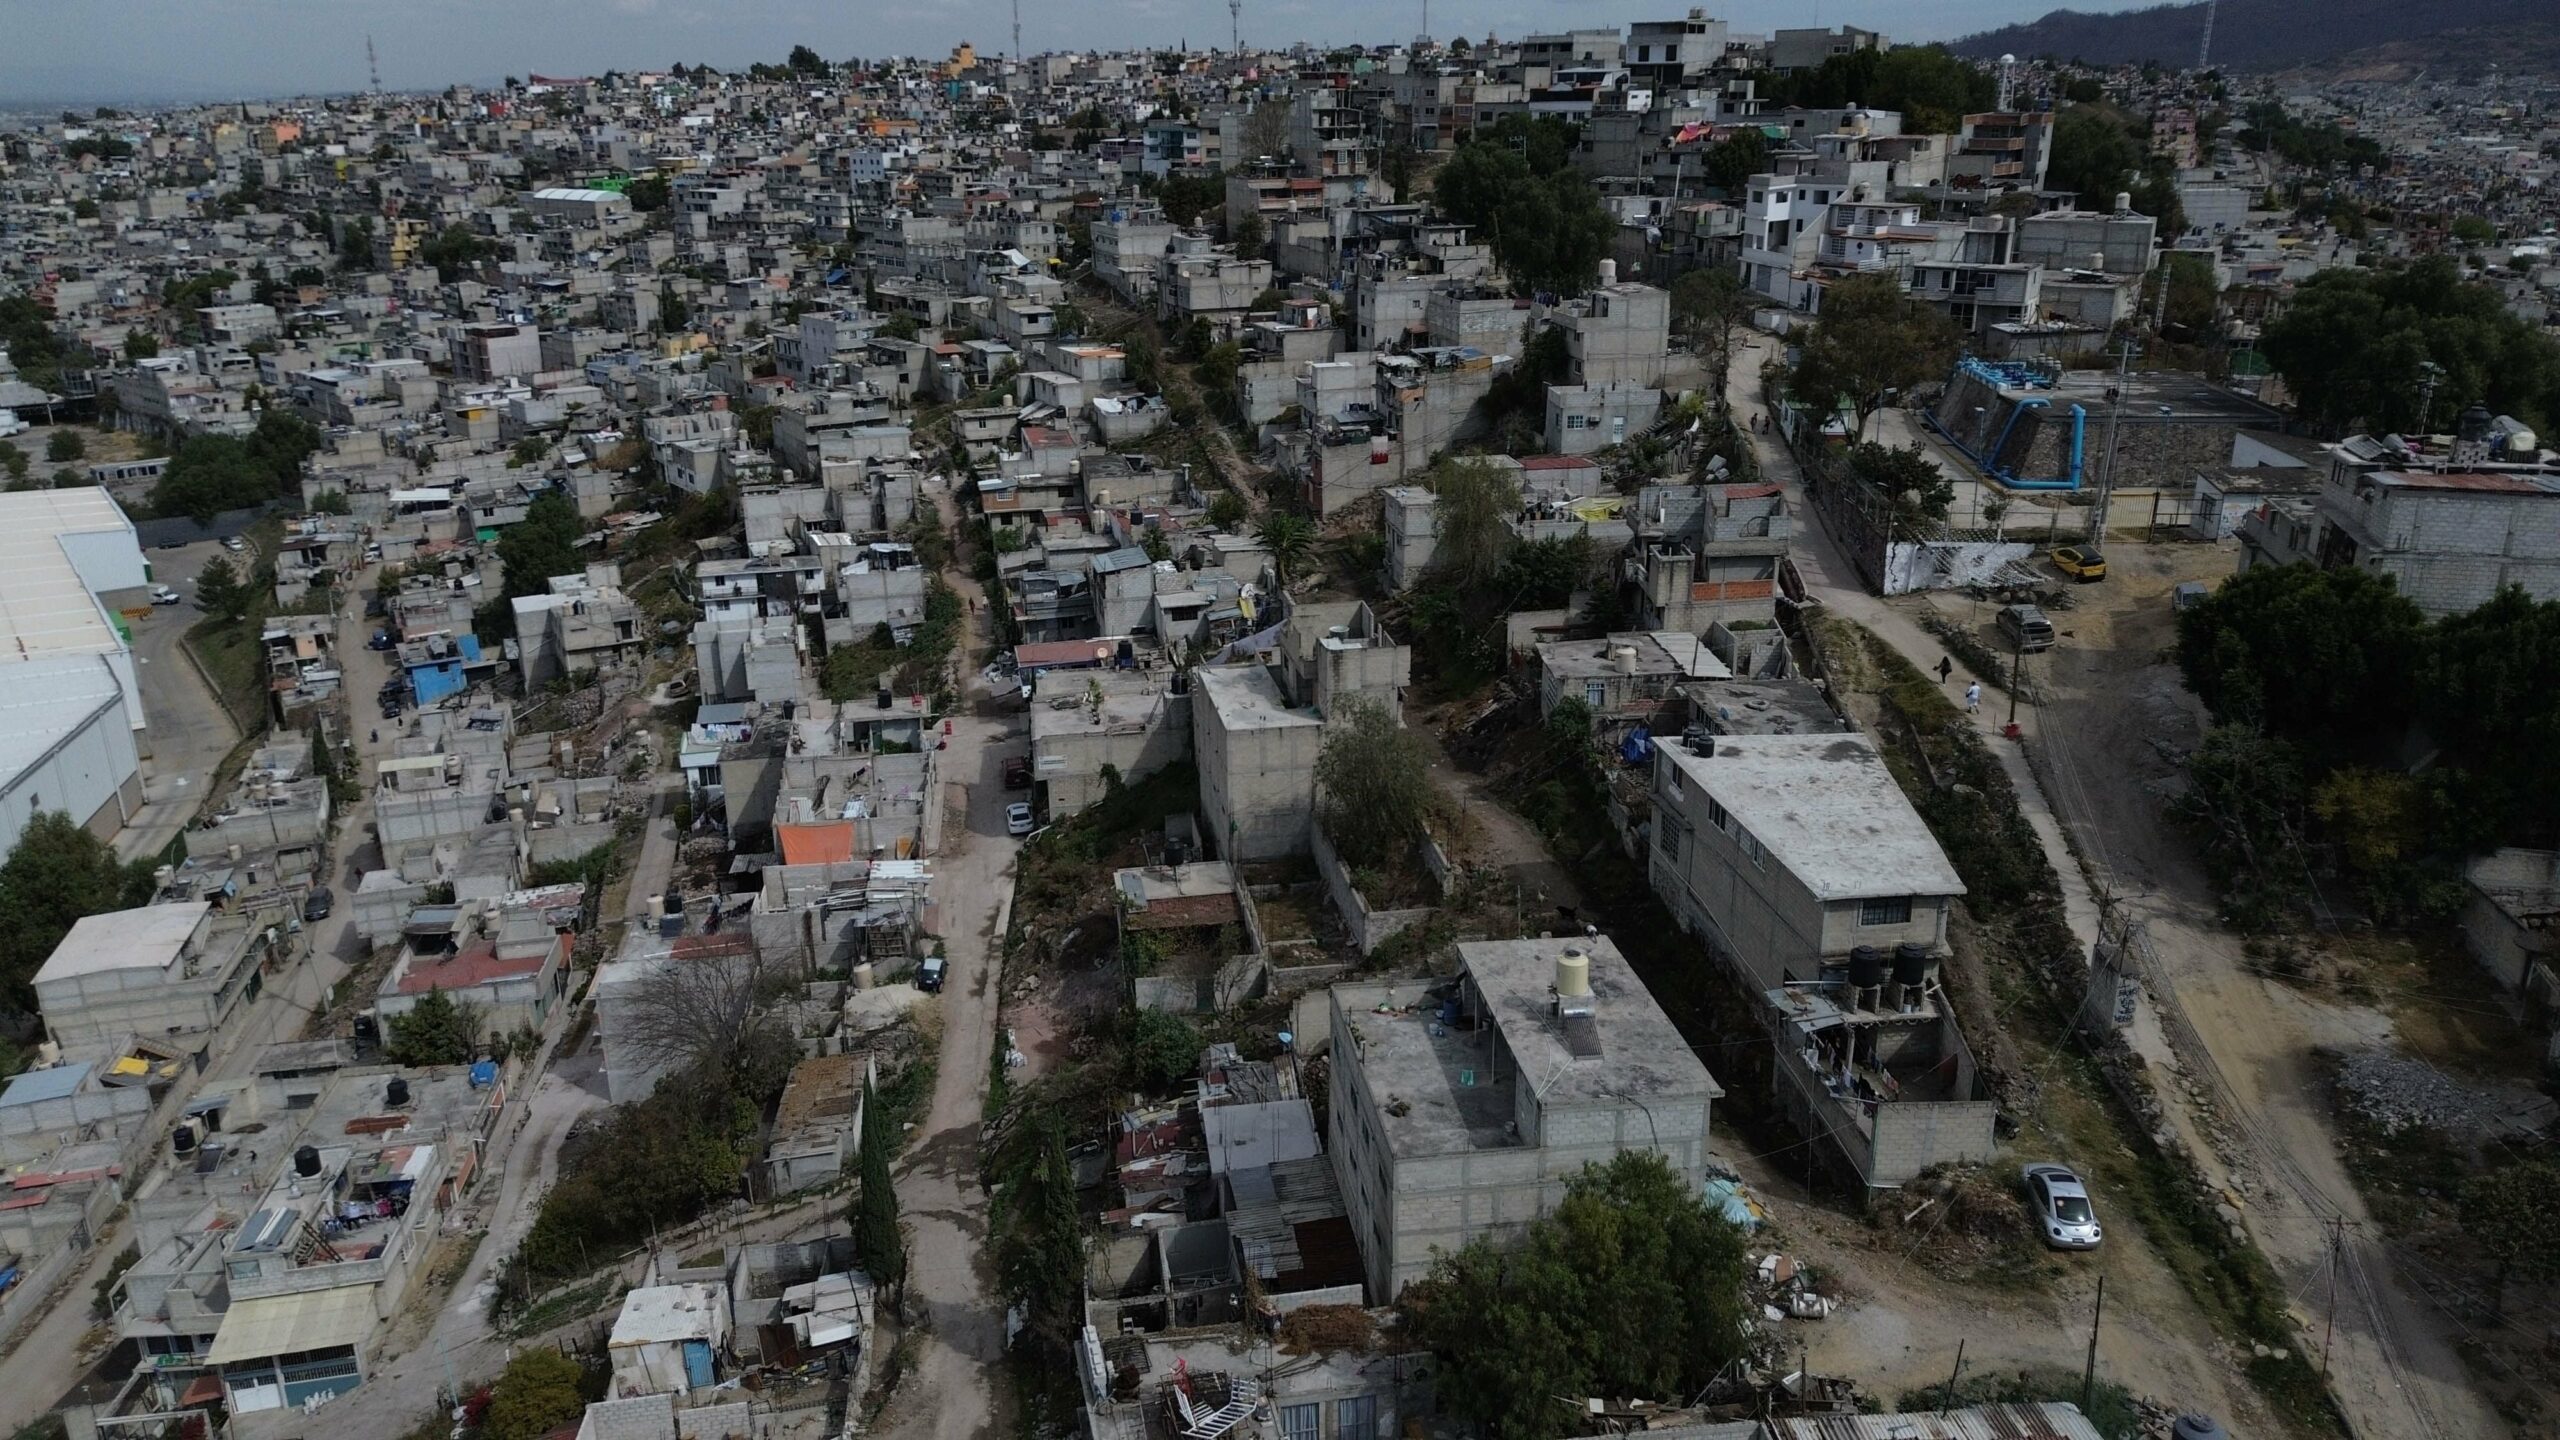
951,1394
2241,1043
2118,719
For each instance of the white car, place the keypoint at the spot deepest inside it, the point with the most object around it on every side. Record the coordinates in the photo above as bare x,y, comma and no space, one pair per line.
163,595
1017,819
234,543
2062,1207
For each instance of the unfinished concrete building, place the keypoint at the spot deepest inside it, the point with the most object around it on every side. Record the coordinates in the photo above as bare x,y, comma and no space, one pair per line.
1460,1108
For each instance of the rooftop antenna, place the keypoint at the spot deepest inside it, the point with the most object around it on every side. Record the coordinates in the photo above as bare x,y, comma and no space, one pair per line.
372,67
2204,47
1235,15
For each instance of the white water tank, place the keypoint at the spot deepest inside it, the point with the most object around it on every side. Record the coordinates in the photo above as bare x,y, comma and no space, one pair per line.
1625,656
1573,977
1608,272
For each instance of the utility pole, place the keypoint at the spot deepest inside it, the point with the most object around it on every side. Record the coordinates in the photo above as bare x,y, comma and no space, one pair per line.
2089,1375
2115,425
1947,1397
2337,1239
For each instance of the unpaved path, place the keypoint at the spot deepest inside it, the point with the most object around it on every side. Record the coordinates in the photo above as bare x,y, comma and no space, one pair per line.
2240,1044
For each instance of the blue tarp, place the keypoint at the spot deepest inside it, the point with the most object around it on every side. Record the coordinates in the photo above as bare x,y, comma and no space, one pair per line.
1637,748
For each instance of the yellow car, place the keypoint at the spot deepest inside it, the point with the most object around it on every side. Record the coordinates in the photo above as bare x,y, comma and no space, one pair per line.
2081,562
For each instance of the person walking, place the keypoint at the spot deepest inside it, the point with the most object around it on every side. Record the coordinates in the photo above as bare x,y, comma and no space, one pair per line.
1946,667
1973,698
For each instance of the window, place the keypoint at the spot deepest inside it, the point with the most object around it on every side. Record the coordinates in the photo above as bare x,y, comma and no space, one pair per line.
1667,840
1356,1418
1717,817
1301,1422
1595,693
1885,910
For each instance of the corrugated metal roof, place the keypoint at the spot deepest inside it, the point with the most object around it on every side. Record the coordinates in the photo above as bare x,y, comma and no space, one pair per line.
293,1324
2043,1420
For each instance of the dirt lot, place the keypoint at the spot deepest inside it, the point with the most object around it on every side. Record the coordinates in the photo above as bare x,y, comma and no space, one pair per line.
1901,1318
2115,726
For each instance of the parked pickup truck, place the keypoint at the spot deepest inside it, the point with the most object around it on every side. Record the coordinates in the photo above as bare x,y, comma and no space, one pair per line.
1017,773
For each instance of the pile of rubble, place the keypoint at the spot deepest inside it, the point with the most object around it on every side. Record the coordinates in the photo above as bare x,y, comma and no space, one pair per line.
2398,1093
1785,1289
1952,1218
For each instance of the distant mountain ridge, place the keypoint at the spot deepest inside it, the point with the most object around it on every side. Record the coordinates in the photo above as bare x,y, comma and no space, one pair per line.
2257,35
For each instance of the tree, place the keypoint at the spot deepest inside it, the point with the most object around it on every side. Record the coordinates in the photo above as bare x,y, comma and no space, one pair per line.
1040,1253
2352,345
64,445
2512,1216
2094,156
1373,783
805,61
673,312
713,1021
1227,510
1732,161
438,1030
1706,307
903,326
647,193
537,1393
1633,1287
876,1237
1476,502
58,873
140,345
1162,1051
15,461
219,590
2485,682
1914,483
454,250
2320,658
1547,227
1249,235
543,544
331,502
1870,338
1266,129
2194,300
2474,230
1289,538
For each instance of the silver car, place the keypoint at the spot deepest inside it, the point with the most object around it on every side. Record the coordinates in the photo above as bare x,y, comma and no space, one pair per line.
2062,1207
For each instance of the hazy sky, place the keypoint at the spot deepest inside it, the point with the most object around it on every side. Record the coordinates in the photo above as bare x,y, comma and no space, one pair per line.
61,50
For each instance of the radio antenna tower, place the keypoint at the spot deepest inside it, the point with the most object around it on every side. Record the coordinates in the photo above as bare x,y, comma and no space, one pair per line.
372,67
2204,47
1017,32
1235,15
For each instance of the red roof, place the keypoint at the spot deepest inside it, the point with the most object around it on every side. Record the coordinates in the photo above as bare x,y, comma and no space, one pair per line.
815,844
1558,462
706,947
1063,652
475,964
2462,480
1041,437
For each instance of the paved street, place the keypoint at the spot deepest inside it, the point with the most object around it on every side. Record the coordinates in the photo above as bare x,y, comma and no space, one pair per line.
187,729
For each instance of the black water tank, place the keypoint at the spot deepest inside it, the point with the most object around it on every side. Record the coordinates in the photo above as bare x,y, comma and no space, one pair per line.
1910,964
182,1141
306,1161
886,699
1866,967
396,1093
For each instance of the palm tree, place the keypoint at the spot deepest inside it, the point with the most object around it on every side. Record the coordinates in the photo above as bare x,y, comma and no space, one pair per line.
1290,538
